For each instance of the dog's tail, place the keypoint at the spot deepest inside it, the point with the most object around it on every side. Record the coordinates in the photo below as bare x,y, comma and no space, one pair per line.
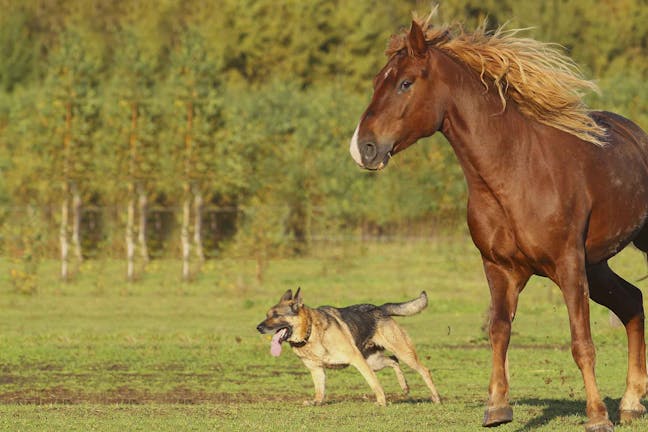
406,308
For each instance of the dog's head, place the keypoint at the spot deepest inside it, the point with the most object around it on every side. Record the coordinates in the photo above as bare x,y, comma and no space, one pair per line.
283,318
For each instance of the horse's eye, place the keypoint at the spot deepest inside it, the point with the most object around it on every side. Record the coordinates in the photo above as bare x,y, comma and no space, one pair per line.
405,85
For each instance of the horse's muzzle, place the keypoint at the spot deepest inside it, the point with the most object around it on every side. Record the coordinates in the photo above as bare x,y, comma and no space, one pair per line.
373,156
368,152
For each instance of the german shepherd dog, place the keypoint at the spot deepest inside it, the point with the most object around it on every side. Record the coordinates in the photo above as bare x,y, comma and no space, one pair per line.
329,337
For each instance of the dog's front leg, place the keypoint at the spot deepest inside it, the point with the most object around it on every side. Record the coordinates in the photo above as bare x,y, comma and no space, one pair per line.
319,380
361,364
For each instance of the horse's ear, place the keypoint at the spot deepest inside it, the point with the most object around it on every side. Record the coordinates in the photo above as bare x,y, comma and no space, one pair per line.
416,40
286,297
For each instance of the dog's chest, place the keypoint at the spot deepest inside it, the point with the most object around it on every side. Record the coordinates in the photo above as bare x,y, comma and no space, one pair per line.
319,354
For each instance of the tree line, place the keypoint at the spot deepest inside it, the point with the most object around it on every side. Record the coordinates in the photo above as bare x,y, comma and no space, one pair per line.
125,124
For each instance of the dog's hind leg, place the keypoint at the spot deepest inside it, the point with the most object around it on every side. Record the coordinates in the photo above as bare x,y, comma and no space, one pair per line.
359,362
396,340
378,361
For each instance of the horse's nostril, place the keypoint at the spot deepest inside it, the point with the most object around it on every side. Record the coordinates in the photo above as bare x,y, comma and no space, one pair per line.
370,151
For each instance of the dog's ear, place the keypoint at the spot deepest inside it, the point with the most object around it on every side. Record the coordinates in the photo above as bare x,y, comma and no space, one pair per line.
297,300
286,297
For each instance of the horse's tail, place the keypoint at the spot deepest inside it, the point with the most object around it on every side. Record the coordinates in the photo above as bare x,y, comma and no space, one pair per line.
406,308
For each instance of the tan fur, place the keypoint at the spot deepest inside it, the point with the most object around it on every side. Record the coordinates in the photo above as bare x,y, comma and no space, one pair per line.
545,83
330,344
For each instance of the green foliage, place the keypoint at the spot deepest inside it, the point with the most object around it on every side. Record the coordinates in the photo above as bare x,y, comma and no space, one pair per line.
253,102
24,240
17,48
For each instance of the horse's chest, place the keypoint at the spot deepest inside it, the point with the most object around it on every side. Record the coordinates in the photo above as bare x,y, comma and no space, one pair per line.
506,232
490,228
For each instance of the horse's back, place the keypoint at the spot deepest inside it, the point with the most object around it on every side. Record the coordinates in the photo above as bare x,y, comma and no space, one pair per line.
620,129
618,185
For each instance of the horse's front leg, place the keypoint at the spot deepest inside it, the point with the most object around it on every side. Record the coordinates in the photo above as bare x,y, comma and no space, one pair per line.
505,282
571,277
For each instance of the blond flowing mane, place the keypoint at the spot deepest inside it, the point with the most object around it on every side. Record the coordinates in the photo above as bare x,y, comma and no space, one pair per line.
545,83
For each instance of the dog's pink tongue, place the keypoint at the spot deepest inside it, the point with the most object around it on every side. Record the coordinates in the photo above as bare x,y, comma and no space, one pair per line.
275,344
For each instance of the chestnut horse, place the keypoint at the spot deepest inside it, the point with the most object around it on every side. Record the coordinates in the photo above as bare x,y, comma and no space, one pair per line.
554,189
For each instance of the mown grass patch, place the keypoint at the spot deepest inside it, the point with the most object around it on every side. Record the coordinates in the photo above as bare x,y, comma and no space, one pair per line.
101,354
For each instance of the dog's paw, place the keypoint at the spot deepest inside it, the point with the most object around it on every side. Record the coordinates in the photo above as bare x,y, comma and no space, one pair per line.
313,403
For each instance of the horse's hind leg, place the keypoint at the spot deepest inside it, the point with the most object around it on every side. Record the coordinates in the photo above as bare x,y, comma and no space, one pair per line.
625,300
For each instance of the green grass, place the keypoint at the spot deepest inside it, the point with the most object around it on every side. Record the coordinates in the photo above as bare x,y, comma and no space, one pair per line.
101,354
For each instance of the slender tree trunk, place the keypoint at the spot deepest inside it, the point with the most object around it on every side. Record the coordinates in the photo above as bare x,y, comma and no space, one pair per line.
76,224
308,225
184,234
65,205
130,210
141,233
63,233
130,238
186,206
198,206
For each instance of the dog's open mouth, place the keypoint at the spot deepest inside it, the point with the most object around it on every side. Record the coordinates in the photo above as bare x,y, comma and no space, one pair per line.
278,338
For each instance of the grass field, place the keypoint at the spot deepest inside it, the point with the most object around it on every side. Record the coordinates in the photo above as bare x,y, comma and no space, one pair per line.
100,354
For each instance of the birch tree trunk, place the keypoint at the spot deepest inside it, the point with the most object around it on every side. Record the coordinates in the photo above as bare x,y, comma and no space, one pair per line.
198,206
76,224
65,205
186,206
63,233
184,234
130,238
130,210
141,233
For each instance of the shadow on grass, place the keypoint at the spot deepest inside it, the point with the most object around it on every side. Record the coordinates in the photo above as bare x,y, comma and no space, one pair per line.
553,408
334,400
412,401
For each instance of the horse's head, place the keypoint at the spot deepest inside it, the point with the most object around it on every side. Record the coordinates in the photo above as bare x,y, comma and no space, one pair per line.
407,104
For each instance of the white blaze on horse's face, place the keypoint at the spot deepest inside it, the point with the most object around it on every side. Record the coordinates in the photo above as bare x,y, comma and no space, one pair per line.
353,148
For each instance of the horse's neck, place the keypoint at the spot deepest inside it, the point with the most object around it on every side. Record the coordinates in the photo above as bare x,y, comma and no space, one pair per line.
485,137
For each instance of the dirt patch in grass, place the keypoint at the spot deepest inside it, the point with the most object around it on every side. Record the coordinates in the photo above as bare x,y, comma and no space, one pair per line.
129,395
178,395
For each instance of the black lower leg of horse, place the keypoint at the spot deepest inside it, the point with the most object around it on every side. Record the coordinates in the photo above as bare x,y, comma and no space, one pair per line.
626,301
610,290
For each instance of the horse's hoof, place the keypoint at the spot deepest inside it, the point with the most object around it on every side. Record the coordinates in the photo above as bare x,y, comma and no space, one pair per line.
497,416
627,416
606,426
